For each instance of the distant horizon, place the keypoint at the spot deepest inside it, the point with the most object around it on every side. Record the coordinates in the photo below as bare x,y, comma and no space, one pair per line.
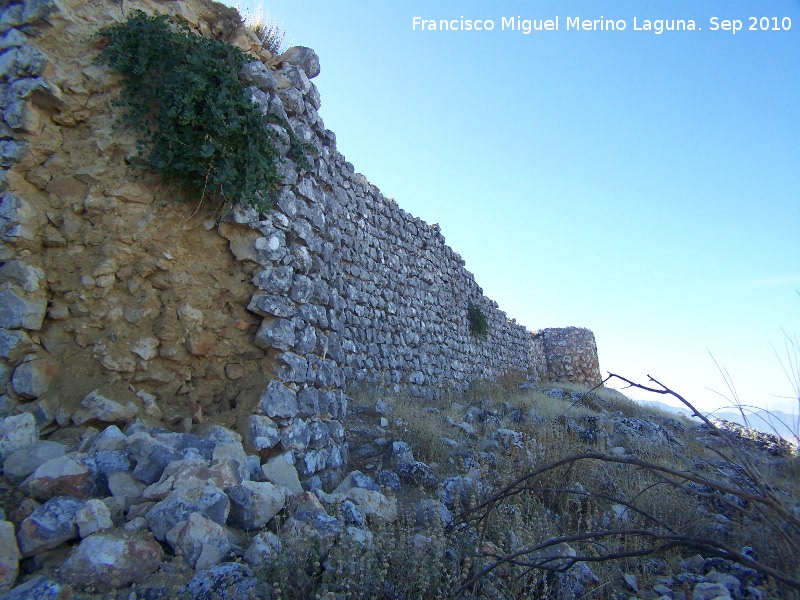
642,185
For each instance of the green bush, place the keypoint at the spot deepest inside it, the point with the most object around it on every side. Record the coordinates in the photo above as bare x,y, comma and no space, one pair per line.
477,320
182,96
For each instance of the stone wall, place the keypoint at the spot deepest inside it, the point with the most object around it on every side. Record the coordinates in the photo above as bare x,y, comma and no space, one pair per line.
571,355
258,322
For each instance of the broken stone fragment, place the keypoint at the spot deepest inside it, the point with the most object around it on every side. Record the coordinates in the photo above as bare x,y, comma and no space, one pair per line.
201,541
259,75
262,432
14,343
17,431
19,309
27,459
9,556
96,406
125,487
23,274
49,526
192,473
263,549
92,517
109,561
378,508
356,479
33,378
303,57
278,401
215,583
61,476
276,333
253,504
209,501
277,470
39,588
311,530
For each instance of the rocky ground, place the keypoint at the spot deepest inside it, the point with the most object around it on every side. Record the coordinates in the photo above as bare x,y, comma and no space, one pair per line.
110,506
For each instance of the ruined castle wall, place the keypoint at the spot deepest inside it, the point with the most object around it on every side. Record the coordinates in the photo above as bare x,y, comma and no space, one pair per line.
257,321
571,355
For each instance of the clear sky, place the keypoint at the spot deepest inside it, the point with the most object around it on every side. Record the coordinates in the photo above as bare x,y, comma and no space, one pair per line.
643,185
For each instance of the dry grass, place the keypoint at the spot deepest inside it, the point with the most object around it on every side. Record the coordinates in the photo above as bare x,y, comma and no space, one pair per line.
573,501
267,28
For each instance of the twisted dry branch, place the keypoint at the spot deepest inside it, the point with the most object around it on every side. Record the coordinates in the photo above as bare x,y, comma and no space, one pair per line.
760,504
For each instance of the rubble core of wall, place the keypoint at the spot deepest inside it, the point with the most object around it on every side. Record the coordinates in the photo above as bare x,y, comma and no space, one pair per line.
186,312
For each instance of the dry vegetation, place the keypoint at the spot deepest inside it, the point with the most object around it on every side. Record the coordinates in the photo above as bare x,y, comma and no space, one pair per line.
568,509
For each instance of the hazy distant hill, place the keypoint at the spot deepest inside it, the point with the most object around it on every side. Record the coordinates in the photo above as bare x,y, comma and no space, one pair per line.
774,421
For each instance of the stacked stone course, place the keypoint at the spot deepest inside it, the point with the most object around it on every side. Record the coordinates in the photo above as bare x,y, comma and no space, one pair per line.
347,287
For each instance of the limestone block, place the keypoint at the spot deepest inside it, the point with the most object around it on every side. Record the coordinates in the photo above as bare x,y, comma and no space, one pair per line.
269,305
278,401
109,561
308,402
275,333
61,476
258,74
9,556
24,461
49,526
202,542
253,504
295,436
18,309
209,501
110,439
263,549
274,280
303,57
262,432
33,378
291,368
16,432
92,517
297,77
279,471
318,435
218,583
292,101
242,241
96,406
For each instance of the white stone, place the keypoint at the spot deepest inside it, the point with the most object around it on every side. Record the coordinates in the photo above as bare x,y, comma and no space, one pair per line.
202,542
278,471
95,406
93,517
147,348
379,509
710,591
263,549
9,556
17,431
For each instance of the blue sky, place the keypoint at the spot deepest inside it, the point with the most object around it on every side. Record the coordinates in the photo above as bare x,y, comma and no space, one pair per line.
644,186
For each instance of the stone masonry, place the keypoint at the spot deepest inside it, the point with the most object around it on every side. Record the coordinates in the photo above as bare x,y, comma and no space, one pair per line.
260,322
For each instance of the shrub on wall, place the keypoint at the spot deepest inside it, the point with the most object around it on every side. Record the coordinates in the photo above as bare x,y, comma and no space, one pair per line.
182,96
478,324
